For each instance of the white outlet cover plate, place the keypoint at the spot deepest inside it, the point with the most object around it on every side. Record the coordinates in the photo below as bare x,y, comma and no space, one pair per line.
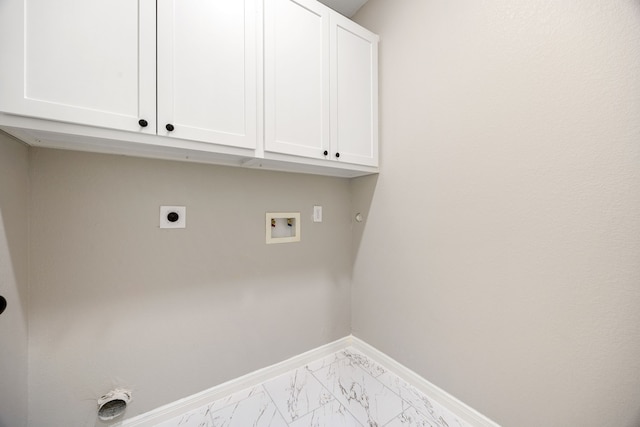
182,217
317,214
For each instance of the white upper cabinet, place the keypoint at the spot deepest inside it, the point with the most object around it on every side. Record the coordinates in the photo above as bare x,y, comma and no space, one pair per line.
296,75
94,63
354,92
274,84
207,71
321,84
89,62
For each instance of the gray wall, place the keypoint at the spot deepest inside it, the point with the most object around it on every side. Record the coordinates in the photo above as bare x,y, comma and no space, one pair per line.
116,301
501,254
14,199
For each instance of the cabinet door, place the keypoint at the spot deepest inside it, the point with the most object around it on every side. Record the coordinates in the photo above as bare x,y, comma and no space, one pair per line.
296,77
89,62
354,92
207,72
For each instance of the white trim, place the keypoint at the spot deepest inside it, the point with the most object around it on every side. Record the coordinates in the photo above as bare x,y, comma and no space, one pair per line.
197,400
455,406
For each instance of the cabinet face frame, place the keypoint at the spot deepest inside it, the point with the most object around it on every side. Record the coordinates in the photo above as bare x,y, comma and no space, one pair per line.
169,112
354,124
18,19
314,142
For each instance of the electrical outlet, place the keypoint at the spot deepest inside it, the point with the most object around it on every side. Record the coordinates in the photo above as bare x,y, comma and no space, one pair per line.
173,217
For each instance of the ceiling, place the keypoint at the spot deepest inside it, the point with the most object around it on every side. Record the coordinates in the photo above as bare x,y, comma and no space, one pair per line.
346,7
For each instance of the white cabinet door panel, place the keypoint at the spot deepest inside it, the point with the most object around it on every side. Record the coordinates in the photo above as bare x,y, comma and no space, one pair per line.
207,72
354,82
74,67
296,77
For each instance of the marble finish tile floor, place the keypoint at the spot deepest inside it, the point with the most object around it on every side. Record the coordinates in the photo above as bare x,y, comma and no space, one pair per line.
345,389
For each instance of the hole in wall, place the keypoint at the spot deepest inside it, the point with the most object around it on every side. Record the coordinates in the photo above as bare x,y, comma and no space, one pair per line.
112,409
113,404
3,304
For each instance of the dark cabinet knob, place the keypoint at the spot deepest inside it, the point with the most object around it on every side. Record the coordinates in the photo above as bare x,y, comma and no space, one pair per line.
3,304
170,127
325,152
337,155
143,123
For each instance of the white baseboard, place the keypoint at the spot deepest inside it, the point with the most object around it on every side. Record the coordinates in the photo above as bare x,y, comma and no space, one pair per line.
453,405
195,401
174,409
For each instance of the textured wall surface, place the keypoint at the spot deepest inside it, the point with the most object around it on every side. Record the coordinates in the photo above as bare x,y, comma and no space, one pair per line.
500,258
116,301
14,198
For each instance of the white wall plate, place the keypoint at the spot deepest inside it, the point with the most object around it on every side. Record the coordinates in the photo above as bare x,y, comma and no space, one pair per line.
173,217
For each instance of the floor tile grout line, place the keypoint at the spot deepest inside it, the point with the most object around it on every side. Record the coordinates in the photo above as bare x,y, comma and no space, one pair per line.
321,385
411,389
385,386
333,394
264,390
368,372
332,362
359,367
237,402
209,413
306,413
274,404
333,397
387,370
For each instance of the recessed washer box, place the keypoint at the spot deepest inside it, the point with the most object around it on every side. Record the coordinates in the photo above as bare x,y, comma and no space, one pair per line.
282,227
